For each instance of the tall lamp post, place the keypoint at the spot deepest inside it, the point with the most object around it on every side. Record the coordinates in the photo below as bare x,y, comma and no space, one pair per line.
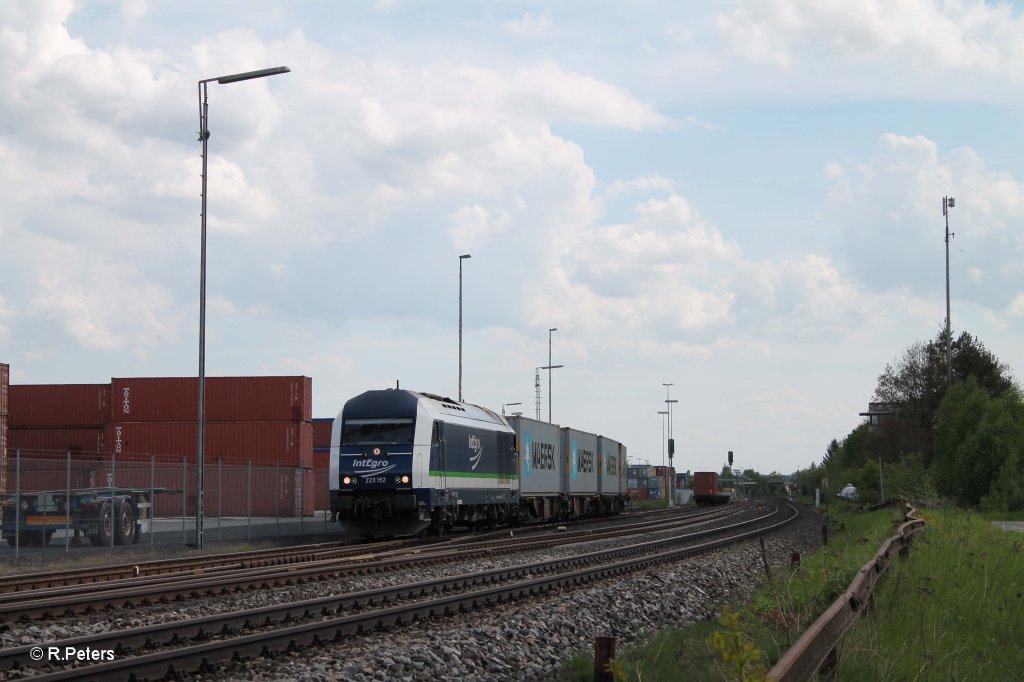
204,136
461,258
948,203
549,368
507,405
671,447
664,418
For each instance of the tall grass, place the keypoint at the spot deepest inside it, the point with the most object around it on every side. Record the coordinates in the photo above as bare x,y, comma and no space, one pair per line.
953,610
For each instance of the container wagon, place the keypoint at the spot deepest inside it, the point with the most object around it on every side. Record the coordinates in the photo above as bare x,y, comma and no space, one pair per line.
705,489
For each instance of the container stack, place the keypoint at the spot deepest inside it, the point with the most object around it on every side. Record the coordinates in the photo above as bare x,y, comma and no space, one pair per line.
637,479
258,445
5,378
322,460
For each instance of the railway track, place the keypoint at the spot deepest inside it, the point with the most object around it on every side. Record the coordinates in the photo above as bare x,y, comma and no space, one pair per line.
142,653
230,577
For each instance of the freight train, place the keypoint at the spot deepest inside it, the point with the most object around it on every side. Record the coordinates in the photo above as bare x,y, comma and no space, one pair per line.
406,462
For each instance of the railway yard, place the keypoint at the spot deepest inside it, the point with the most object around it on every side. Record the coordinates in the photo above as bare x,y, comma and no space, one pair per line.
502,605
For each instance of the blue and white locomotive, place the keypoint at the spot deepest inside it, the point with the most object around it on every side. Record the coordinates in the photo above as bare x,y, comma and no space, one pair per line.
403,462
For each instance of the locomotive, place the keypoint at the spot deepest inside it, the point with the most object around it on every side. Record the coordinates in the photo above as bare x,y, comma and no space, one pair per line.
406,462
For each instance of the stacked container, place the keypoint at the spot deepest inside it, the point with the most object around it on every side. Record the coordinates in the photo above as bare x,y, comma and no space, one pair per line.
258,445
322,461
5,377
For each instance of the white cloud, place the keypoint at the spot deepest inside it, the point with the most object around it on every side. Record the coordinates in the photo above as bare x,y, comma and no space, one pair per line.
929,34
888,217
530,25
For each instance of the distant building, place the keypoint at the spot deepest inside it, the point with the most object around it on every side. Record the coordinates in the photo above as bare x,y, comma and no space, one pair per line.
877,412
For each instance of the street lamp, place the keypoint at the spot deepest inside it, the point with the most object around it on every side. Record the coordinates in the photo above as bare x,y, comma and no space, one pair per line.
507,405
671,446
549,368
461,258
204,136
664,417
948,203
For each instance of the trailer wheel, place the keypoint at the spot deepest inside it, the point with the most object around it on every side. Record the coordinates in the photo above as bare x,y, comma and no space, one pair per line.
105,527
124,531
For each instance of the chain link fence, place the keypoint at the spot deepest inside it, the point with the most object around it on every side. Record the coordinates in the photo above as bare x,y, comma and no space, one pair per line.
74,503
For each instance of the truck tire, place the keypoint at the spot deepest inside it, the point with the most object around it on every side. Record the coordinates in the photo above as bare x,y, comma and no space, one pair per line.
124,527
105,526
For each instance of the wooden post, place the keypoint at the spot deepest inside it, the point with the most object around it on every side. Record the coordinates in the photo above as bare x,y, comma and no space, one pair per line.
604,651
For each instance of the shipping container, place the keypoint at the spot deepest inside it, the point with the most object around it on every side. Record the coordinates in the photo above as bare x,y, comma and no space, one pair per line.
64,405
322,432
611,462
654,494
641,471
5,381
705,483
320,482
540,466
176,399
580,450
266,443
33,442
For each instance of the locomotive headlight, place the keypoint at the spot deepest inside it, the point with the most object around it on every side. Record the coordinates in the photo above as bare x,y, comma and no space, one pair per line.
346,480
24,505
405,480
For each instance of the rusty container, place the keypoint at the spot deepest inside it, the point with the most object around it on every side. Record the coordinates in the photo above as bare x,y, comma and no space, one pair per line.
322,432
57,442
176,399
66,405
265,443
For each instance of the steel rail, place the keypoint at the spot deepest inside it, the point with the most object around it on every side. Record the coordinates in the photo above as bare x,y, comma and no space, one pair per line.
199,656
148,590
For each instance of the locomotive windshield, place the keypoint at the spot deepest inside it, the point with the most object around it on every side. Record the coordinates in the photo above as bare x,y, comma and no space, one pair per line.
377,431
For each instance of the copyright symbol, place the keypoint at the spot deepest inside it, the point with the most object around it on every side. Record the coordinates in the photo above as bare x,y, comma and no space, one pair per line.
36,653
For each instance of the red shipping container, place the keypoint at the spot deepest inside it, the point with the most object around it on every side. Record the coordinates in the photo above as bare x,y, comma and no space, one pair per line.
176,399
5,380
322,432
57,442
265,443
319,482
68,405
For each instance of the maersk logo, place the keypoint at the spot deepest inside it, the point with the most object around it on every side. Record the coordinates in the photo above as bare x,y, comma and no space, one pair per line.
527,456
478,451
573,465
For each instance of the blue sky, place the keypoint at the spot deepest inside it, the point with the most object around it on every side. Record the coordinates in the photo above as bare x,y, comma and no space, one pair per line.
741,198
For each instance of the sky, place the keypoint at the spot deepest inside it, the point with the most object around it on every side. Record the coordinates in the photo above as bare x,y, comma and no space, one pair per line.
740,198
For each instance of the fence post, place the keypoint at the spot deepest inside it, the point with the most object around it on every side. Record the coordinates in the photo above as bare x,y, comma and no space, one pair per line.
301,472
277,501
220,495
17,506
248,513
113,513
152,501
67,504
184,499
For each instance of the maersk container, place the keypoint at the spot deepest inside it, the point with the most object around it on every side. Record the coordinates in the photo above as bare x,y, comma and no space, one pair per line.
176,399
64,405
611,463
540,465
265,443
580,461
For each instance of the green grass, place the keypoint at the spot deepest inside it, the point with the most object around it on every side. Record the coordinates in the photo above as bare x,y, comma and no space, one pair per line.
770,622
953,611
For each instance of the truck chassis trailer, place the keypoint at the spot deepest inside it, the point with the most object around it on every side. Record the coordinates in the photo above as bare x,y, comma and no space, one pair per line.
105,516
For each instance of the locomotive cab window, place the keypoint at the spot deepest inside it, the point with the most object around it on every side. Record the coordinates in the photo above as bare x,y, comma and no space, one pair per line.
392,431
